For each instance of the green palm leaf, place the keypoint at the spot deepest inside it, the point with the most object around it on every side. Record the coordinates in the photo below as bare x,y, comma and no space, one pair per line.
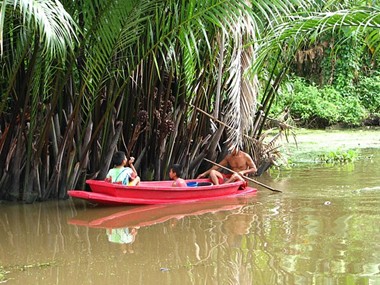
49,19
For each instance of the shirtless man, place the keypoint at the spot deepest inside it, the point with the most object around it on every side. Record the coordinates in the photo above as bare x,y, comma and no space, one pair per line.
239,161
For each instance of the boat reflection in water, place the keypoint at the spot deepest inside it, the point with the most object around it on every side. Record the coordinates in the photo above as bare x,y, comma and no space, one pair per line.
122,223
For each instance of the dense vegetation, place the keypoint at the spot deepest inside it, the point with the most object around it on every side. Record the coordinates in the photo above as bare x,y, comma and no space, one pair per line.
311,106
165,81
332,85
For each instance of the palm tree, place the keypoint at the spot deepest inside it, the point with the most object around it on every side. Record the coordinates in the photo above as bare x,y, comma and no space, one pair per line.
35,40
134,60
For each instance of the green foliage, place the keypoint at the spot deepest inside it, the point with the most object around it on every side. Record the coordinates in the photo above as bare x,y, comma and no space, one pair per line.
342,59
342,62
368,91
120,75
338,156
3,275
320,107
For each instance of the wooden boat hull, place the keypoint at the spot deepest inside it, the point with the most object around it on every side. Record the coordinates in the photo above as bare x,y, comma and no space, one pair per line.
157,192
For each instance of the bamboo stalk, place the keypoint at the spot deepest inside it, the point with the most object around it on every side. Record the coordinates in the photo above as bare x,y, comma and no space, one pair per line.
245,177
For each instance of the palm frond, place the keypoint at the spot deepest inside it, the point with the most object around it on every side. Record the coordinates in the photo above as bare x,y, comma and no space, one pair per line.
55,26
299,27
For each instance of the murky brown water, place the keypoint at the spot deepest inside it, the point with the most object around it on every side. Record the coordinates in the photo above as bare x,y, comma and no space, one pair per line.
323,229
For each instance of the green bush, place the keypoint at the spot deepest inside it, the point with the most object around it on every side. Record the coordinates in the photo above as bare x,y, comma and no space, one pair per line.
311,106
368,91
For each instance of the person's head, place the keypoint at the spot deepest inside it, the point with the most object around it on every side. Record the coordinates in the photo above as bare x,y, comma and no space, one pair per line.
235,150
175,171
119,158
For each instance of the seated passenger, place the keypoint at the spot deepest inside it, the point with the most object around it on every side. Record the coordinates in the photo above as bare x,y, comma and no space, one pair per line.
241,164
121,174
175,174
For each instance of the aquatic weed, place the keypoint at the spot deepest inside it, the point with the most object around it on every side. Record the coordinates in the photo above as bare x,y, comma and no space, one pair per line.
3,275
338,156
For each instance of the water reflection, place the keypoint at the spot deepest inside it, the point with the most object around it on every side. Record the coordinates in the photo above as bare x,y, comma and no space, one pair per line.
141,216
123,236
236,226
187,240
323,229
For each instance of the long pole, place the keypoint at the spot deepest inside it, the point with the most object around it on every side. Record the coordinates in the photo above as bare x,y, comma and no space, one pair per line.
218,121
245,177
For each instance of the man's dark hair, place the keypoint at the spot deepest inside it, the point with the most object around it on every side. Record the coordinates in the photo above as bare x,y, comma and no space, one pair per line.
177,168
118,158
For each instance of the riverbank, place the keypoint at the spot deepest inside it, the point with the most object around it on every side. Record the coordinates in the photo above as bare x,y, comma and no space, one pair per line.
308,144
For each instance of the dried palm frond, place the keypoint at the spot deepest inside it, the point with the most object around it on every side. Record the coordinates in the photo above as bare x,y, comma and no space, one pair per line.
266,149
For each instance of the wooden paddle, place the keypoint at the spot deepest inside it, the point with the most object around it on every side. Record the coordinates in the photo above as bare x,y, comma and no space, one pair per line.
245,177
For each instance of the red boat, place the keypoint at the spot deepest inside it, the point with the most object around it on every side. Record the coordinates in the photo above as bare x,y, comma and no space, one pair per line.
159,192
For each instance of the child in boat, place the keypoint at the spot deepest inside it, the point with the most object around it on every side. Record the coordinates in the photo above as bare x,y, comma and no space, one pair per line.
121,174
175,174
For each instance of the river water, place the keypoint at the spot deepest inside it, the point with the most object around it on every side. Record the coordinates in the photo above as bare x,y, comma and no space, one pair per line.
322,229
